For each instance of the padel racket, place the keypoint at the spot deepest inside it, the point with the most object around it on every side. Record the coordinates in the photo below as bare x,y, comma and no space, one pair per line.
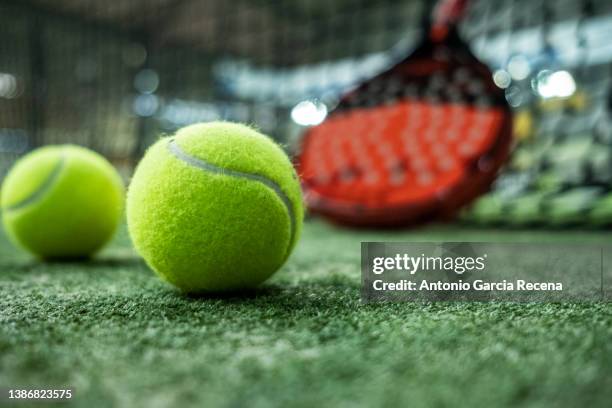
415,142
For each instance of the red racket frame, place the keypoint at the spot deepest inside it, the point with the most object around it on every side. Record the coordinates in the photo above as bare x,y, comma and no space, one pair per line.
478,172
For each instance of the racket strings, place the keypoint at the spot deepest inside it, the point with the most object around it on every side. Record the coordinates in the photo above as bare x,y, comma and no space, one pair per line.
410,151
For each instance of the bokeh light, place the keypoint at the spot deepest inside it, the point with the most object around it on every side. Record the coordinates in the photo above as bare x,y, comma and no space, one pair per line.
309,113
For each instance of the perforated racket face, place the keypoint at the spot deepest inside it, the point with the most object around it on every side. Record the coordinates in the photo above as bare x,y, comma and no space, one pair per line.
418,141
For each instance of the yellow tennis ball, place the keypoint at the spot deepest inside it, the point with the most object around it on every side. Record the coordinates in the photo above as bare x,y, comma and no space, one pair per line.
62,202
523,125
216,207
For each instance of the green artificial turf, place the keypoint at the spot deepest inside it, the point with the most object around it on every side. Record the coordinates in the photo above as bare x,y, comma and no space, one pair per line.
120,337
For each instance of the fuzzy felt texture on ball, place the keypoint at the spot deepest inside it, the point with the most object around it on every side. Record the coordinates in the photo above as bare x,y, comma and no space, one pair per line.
216,207
62,201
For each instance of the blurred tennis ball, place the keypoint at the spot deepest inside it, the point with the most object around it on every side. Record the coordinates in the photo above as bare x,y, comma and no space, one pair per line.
523,127
524,159
571,207
526,209
216,207
62,202
488,209
548,181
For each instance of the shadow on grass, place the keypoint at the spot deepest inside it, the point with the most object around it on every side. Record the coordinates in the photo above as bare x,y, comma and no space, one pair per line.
235,296
34,265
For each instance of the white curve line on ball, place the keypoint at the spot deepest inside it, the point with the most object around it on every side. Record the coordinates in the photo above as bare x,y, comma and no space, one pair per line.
180,154
42,189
